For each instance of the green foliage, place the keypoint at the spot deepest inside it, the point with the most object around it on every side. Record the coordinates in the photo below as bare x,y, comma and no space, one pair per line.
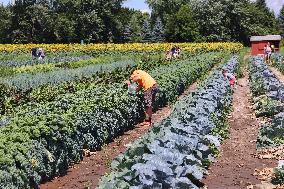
281,20
135,29
220,119
161,9
271,133
62,21
278,176
5,23
266,106
90,27
243,62
183,26
92,21
228,20
158,31
146,31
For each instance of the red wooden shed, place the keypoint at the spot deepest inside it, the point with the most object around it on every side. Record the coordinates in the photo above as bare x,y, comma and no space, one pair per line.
258,43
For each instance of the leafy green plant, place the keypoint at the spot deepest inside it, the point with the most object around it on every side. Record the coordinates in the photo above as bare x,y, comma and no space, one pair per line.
278,176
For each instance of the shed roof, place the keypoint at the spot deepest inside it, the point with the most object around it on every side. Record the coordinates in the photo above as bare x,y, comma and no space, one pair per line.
266,38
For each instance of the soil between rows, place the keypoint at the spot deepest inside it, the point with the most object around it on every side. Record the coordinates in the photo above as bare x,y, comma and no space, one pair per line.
237,162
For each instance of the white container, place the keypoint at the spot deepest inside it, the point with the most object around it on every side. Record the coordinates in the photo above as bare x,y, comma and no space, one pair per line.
132,88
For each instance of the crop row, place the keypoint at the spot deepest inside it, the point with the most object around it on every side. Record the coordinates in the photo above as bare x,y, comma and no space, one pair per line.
37,146
25,88
51,59
268,99
176,152
74,62
44,87
27,81
278,62
268,95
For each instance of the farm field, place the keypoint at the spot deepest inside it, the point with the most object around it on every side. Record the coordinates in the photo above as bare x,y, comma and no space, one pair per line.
68,121
144,94
75,99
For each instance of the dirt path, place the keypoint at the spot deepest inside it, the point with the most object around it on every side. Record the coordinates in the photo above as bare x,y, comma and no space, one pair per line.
87,173
236,164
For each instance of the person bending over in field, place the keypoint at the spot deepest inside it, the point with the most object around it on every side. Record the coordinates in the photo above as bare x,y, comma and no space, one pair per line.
168,55
145,81
178,51
267,53
230,77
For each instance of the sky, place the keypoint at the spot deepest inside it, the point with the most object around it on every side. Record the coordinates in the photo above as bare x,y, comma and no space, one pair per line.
141,5
138,5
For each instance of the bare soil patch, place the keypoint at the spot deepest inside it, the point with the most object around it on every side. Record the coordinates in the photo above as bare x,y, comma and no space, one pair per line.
236,165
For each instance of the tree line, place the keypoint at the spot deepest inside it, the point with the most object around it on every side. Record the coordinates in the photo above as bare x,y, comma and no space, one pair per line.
94,21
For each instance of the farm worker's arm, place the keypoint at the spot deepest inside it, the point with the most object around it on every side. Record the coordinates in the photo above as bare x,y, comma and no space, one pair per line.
138,88
127,82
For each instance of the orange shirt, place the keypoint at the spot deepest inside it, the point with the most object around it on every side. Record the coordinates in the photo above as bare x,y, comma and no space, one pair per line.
144,79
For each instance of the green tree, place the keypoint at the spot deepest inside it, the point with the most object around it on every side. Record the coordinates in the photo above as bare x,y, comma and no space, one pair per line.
64,29
32,22
146,31
158,33
281,20
265,14
65,21
5,23
135,27
90,27
261,4
216,26
163,8
127,34
182,26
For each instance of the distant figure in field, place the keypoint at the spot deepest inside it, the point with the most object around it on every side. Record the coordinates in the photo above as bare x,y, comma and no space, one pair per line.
41,54
34,53
267,53
37,53
178,51
168,55
231,78
173,53
173,50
